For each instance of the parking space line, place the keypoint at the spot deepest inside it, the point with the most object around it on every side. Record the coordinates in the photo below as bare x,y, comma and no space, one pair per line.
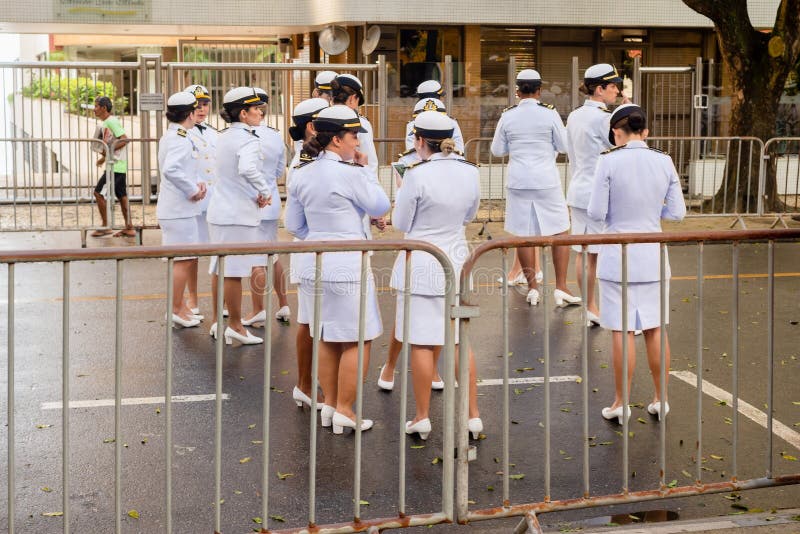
528,380
745,408
95,403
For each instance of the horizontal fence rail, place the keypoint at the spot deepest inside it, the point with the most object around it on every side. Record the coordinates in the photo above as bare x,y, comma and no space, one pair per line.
69,261
660,488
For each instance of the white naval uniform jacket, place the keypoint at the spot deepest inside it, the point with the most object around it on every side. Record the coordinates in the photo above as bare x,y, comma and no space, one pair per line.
532,134
204,138
587,133
438,198
458,137
274,162
367,145
327,201
240,178
634,188
177,162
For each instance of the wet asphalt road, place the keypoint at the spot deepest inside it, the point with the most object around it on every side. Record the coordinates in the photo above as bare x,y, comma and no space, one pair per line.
38,380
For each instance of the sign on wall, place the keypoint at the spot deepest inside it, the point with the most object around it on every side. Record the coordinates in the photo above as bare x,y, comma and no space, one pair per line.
109,11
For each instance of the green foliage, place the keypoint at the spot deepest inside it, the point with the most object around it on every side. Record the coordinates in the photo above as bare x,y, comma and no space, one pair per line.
75,92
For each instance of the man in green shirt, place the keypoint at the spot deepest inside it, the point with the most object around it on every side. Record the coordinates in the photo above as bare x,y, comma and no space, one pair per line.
112,133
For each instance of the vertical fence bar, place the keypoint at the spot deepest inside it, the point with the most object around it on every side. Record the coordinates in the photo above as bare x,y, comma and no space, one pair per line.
362,307
585,366
735,334
383,97
65,324
770,347
10,406
546,252
118,382
404,382
699,385
506,400
167,398
450,426
462,409
624,378
269,282
218,399
663,363
312,464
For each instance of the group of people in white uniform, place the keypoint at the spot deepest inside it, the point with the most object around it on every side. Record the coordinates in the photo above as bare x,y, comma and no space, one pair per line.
221,187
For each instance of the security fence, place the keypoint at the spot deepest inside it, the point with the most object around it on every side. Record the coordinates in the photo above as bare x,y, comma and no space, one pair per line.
652,482
325,470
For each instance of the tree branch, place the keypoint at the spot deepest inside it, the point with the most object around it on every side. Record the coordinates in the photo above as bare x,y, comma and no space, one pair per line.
787,27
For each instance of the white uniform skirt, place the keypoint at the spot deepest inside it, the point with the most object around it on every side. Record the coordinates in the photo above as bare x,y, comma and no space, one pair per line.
644,305
427,318
339,310
536,212
268,231
235,266
582,224
202,228
182,231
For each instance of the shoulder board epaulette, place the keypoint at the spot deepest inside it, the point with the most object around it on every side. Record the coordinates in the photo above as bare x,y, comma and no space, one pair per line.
510,107
351,163
458,152
271,128
657,150
468,162
606,110
407,152
181,132
417,164
548,106
305,157
304,163
613,148
224,129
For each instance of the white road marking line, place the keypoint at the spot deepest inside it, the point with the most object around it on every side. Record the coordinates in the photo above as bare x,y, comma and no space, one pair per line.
528,380
130,401
745,408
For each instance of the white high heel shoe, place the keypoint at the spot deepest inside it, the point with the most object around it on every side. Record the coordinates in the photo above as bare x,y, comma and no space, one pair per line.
437,385
326,415
260,317
518,280
385,384
475,426
422,427
654,408
562,298
609,413
249,339
533,297
301,398
341,421
186,323
539,277
284,314
592,319
213,331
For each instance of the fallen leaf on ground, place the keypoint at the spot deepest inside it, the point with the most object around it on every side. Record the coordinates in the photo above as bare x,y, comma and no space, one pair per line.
284,476
245,460
52,514
133,513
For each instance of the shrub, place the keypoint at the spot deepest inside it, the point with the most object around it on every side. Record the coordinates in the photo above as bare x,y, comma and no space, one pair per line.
75,92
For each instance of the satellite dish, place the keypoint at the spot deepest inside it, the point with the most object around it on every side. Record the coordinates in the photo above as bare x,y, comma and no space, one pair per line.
370,42
334,40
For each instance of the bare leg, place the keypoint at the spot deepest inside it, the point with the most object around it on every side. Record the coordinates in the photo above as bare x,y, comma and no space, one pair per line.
258,280
101,207
348,369
180,273
652,341
422,374
516,268
126,215
233,297
561,264
617,355
525,255
191,283
473,384
330,355
537,258
591,279
280,284
437,351
305,347
391,360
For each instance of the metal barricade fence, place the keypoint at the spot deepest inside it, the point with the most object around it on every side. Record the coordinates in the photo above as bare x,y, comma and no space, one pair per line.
721,175
48,183
780,177
70,262
586,497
